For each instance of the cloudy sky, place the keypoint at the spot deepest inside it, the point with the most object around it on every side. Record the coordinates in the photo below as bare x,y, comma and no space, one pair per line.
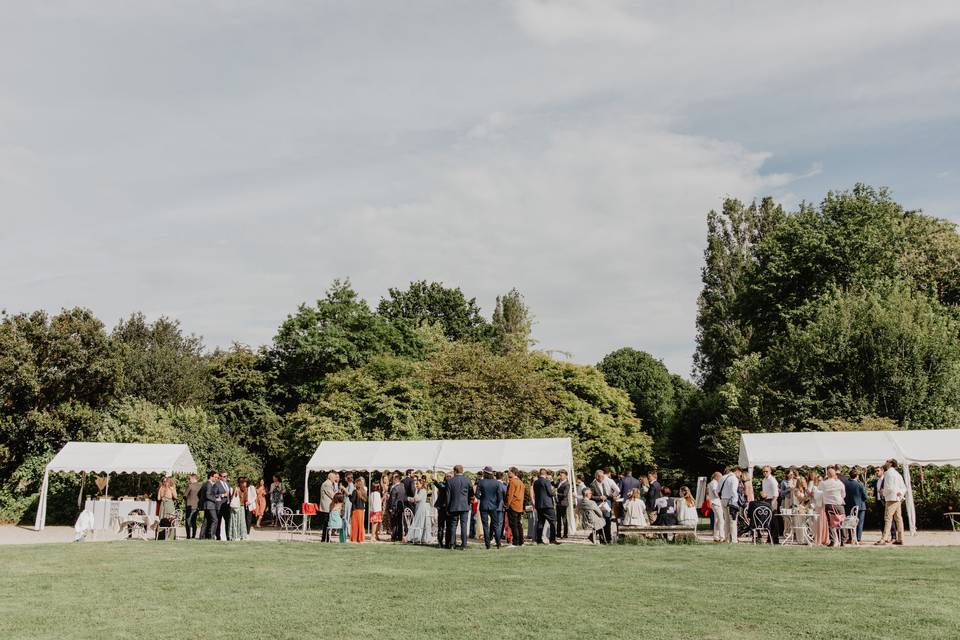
221,163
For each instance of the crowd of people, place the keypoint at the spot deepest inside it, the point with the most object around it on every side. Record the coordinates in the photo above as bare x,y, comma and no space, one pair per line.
445,509
836,502
229,511
495,506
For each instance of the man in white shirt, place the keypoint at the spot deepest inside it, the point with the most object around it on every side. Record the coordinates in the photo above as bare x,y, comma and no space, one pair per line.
730,496
716,507
894,491
770,490
250,505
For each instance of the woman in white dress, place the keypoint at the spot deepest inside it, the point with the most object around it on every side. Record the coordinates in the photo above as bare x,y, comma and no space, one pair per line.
634,510
420,531
687,508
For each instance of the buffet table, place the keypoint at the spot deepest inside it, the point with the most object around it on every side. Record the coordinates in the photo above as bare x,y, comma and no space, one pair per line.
101,510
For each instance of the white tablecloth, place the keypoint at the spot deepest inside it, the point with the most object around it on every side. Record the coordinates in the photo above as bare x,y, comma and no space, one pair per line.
101,510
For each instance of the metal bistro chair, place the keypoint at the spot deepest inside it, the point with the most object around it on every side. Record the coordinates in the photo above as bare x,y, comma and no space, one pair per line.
407,520
850,523
761,518
286,520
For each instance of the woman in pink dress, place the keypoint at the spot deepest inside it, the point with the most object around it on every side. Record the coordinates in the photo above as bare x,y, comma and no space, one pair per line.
821,530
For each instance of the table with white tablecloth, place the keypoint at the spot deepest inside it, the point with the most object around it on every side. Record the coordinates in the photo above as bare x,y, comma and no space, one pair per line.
101,510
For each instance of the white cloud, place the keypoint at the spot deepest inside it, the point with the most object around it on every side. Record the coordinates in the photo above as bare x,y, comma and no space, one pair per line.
226,162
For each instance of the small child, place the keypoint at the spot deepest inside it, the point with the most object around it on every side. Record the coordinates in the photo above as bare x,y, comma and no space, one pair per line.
335,524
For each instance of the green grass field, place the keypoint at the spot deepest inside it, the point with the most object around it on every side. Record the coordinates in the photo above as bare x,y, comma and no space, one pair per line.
190,589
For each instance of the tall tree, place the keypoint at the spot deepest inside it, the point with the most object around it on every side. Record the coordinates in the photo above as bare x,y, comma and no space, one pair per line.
732,239
512,323
432,303
160,363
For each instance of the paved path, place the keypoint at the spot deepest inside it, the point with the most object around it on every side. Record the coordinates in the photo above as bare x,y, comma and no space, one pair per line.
11,534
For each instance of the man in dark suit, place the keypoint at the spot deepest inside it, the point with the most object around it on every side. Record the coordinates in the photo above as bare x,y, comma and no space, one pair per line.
491,494
543,501
410,486
563,505
193,502
459,494
213,497
397,503
654,493
441,505
224,485
855,496
627,484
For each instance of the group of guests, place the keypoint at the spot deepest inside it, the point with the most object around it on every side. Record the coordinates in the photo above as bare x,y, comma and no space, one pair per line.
833,499
498,500
630,501
229,511
403,507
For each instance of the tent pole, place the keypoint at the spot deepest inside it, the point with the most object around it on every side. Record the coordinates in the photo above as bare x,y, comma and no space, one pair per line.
911,509
306,486
106,491
571,503
42,505
369,489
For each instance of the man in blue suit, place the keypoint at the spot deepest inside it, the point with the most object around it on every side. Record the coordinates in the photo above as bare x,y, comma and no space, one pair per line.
459,494
856,496
491,494
544,499
213,498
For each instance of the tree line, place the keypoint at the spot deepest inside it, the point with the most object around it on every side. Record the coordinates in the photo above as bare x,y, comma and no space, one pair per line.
841,315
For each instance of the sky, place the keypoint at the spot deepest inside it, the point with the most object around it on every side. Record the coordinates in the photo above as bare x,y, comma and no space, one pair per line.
223,162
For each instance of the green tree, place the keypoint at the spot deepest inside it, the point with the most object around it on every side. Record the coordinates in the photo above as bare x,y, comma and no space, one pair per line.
160,363
733,235
648,384
432,303
512,323
339,332
240,399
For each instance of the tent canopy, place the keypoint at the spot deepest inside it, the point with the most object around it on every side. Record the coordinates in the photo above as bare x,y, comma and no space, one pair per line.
939,446
114,457
474,455
819,449
118,457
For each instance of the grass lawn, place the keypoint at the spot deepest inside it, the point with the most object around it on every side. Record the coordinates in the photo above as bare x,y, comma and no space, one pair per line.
308,590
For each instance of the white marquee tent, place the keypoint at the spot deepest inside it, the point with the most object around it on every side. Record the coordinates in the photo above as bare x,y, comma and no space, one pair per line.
114,457
442,455
918,448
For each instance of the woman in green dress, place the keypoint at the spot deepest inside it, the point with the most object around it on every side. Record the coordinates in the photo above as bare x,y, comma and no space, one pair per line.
167,496
238,520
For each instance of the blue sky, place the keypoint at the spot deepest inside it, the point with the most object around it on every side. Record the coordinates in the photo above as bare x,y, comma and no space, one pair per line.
222,162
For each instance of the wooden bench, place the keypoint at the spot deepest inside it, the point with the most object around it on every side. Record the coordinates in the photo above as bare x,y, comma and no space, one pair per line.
634,531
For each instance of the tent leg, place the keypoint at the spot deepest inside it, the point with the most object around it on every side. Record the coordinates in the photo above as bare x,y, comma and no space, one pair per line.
571,503
306,486
911,509
42,505
369,489
83,481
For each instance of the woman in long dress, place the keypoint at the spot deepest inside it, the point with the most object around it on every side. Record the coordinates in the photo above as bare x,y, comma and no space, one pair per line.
261,507
359,501
238,521
166,496
420,531
821,530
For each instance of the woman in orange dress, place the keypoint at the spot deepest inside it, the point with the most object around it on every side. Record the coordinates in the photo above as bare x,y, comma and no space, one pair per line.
261,505
359,501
